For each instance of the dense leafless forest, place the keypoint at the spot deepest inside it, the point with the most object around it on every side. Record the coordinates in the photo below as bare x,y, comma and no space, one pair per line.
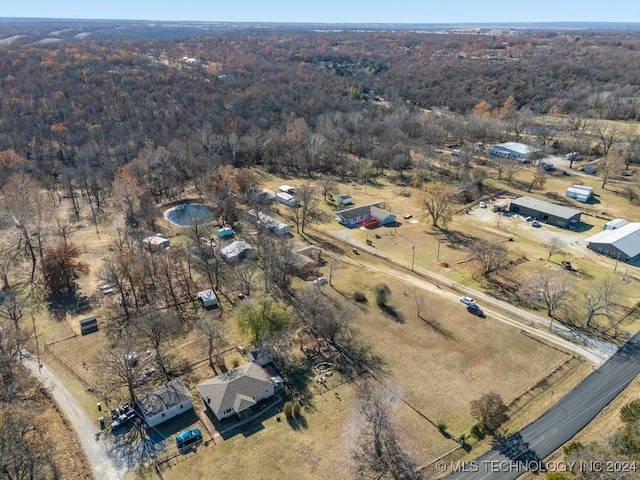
293,99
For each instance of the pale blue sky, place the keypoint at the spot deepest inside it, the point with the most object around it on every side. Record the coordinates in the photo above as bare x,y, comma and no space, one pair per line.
333,11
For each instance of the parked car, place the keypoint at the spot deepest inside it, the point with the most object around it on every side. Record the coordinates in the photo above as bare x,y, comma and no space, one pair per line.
528,219
189,439
536,224
475,309
407,216
320,281
482,205
565,173
467,300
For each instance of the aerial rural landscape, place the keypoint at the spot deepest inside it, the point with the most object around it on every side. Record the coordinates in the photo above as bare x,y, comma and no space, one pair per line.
297,251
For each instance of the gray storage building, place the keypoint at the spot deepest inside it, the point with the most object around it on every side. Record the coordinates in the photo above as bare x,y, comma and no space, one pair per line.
545,212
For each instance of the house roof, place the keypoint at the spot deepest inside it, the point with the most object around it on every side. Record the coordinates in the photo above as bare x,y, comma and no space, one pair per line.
380,213
626,239
164,397
155,240
546,207
617,223
207,296
235,388
354,212
267,221
521,148
235,248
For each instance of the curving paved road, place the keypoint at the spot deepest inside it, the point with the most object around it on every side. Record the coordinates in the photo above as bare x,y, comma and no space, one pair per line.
526,449
95,447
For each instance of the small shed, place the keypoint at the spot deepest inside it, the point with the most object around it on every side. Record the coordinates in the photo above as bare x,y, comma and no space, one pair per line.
208,298
88,325
156,243
590,168
344,199
225,232
581,193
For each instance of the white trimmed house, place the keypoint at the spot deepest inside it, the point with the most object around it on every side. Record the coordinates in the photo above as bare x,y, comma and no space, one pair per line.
165,402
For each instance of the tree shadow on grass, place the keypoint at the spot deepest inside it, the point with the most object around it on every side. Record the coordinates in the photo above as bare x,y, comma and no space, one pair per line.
437,328
393,313
298,423
457,240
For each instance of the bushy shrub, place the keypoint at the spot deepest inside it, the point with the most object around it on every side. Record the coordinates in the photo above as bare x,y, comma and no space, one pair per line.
359,297
477,431
382,292
287,409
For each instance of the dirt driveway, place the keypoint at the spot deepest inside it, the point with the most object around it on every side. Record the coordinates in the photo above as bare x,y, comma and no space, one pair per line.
96,448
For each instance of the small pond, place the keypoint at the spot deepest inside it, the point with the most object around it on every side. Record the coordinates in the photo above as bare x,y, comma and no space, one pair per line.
186,214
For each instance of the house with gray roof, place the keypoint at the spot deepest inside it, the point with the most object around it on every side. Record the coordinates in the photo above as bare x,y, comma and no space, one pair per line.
165,402
622,243
352,217
546,212
236,391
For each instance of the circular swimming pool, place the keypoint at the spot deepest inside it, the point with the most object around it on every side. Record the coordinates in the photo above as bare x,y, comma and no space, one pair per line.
186,214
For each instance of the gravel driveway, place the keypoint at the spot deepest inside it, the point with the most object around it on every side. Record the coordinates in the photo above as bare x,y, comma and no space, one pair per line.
96,447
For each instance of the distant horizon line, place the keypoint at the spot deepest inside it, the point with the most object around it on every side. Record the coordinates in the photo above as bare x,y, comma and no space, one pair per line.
268,22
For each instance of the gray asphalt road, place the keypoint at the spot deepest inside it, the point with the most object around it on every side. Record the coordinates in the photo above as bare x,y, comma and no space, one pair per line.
526,449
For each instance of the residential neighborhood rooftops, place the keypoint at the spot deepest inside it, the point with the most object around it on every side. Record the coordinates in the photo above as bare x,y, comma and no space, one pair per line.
521,148
235,248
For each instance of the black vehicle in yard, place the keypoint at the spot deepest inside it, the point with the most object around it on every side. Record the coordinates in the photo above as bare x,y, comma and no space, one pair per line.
475,309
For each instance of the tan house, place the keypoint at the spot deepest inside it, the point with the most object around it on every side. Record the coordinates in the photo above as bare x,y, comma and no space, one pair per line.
236,391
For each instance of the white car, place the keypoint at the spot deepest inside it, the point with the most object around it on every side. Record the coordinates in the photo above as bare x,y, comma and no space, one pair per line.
320,281
482,205
467,300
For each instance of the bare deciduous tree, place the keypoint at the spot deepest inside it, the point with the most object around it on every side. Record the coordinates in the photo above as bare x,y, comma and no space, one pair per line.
120,368
211,328
490,256
610,166
439,200
555,245
549,288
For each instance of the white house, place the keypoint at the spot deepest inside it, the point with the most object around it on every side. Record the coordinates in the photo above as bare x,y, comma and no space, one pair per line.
519,151
165,402
581,193
344,199
155,243
236,391
267,221
237,251
287,199
208,298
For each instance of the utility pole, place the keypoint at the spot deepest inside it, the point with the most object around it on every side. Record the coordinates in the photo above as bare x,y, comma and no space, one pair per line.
413,255
35,333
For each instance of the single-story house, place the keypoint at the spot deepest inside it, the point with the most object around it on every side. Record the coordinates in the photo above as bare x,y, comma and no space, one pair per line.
344,199
621,243
357,215
581,193
310,251
237,390
208,298
287,199
155,243
519,151
237,251
165,402
615,223
545,212
267,221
